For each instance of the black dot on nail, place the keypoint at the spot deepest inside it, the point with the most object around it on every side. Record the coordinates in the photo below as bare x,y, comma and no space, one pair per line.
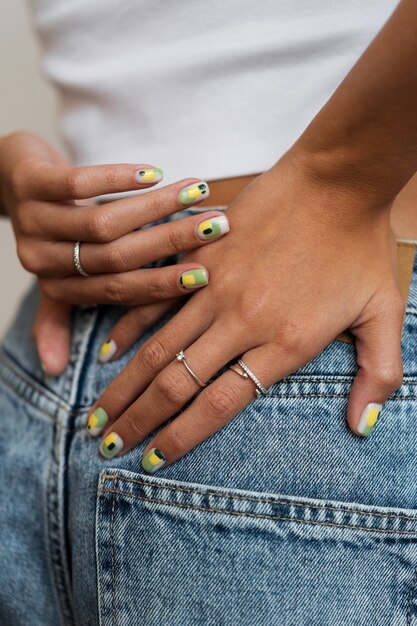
111,446
201,187
207,231
142,173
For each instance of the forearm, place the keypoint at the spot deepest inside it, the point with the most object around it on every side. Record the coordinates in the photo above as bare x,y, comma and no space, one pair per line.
365,137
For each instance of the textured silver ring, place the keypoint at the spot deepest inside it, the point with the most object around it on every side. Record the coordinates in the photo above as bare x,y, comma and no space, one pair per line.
181,357
76,258
260,389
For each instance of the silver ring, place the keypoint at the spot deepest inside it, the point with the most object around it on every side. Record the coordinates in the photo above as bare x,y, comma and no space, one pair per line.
76,259
260,389
181,357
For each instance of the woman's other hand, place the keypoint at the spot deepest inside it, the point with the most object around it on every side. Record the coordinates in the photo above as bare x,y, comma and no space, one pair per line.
49,205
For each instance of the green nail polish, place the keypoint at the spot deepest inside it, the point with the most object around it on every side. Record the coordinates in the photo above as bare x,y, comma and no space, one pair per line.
369,418
111,445
153,460
97,421
213,227
149,175
194,278
194,192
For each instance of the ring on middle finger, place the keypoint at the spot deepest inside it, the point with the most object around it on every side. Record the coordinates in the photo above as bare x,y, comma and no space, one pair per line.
181,357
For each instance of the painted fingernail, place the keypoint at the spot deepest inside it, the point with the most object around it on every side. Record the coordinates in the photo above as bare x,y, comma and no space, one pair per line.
111,445
369,418
107,350
149,175
194,192
214,227
194,278
153,460
97,421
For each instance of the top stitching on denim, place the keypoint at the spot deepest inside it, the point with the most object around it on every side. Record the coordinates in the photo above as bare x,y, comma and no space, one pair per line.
116,477
262,515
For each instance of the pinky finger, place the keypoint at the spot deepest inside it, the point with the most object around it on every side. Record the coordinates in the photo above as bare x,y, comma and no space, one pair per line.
131,327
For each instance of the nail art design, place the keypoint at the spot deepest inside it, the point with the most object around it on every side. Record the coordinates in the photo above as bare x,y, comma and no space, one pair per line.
194,278
153,460
149,175
214,227
193,192
111,445
107,350
97,421
369,418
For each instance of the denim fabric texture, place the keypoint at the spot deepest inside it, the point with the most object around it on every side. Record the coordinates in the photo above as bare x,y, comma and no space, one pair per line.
282,518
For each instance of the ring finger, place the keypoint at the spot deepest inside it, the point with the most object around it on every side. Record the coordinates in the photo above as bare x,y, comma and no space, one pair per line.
135,249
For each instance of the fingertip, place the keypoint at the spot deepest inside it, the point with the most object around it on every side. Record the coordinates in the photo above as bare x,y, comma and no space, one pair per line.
149,174
152,460
194,278
107,351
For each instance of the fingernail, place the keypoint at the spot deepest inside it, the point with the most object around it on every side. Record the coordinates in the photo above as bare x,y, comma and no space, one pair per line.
213,227
111,445
149,175
369,418
97,421
153,460
193,192
107,350
194,278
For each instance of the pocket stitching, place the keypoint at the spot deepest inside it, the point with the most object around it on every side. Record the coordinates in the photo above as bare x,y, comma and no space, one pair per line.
220,494
259,515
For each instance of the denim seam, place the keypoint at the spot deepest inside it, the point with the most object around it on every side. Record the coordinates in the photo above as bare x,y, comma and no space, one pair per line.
100,563
218,494
410,598
113,558
262,515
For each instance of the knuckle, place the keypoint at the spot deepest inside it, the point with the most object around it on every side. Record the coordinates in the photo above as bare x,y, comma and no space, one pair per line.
176,441
160,288
173,387
27,257
97,227
76,184
116,291
220,403
115,259
153,355
389,377
175,239
134,427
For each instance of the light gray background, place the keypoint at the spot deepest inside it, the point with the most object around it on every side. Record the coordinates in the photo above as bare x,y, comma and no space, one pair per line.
28,103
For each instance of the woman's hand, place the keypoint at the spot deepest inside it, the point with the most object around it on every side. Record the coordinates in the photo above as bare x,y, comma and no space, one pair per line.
286,281
48,203
39,193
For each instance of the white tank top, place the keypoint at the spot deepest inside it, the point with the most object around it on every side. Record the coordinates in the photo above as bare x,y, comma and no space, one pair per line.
205,88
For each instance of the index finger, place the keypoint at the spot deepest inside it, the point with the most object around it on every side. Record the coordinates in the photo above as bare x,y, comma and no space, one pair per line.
51,182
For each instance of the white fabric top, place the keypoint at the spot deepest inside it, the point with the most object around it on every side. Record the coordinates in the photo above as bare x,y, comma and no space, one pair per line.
205,88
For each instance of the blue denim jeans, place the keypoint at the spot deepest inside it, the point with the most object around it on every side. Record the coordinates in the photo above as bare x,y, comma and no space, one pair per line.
283,517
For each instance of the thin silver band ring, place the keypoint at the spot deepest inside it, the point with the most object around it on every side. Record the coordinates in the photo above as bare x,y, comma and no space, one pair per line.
181,357
76,259
260,389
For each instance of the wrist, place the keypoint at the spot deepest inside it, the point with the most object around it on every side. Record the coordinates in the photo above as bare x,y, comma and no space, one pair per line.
347,171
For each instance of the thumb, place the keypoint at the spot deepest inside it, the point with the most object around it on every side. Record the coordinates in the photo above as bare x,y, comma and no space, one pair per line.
380,371
52,334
